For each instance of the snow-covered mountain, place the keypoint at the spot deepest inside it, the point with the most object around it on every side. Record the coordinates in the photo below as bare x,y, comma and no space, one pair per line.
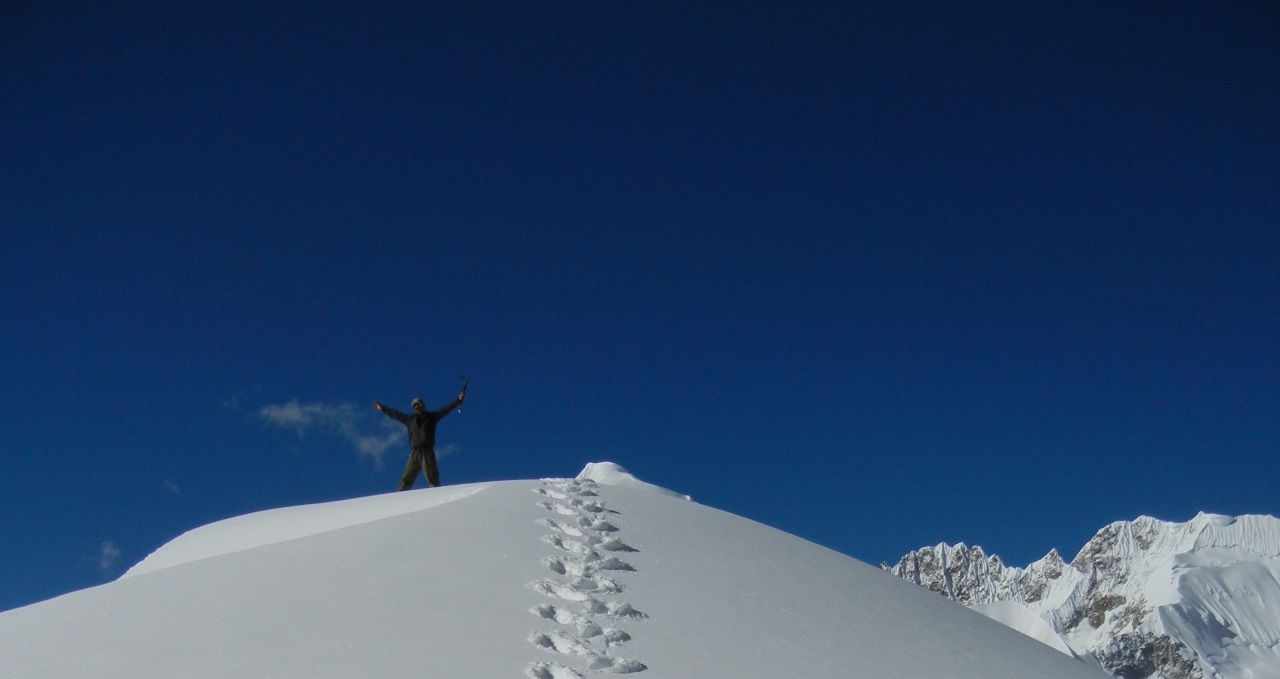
545,579
1145,598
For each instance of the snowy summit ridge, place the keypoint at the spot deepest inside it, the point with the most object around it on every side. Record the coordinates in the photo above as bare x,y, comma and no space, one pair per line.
557,578
612,474
1145,598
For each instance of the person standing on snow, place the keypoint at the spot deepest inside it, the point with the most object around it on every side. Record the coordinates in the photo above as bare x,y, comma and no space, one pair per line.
422,437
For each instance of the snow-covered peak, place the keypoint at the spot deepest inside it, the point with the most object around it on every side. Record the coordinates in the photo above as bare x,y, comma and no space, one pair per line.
613,474
1147,597
550,579
1252,533
1145,538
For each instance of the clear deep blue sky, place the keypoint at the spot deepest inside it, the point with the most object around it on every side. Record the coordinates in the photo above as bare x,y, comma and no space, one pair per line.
880,275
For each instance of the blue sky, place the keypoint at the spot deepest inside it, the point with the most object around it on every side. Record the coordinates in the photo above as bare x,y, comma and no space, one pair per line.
878,276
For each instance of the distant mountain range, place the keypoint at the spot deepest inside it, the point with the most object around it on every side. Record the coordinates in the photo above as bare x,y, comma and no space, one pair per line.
1144,599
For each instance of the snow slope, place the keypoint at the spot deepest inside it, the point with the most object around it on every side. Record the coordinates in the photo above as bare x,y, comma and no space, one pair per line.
1019,617
545,579
1146,598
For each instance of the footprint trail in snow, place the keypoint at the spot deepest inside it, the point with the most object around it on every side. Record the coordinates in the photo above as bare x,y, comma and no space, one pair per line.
582,585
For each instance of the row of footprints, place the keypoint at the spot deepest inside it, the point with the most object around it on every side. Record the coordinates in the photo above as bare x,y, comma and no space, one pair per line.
582,584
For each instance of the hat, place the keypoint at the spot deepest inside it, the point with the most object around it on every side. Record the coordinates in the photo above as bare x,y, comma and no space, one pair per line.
417,402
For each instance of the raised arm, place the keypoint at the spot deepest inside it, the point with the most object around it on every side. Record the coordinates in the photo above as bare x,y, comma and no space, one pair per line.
451,405
391,412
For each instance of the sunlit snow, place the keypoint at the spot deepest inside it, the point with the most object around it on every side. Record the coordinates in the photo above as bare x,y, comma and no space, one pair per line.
556,578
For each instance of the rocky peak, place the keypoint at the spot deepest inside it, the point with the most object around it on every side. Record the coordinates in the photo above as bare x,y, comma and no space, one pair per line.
1145,599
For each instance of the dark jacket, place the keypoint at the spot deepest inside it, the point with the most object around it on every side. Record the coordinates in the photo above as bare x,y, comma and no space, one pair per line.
422,428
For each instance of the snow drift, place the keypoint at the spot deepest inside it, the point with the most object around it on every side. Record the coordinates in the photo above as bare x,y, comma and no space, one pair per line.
546,579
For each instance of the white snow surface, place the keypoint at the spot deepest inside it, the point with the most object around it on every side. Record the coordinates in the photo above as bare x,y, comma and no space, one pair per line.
613,474
545,579
1015,615
290,523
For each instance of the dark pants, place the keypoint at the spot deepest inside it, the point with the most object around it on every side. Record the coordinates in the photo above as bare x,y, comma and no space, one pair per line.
420,459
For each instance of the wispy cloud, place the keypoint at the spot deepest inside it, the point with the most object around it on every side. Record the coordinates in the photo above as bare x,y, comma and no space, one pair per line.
107,557
172,487
347,420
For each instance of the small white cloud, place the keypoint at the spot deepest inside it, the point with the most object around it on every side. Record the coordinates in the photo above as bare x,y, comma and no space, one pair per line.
375,447
107,557
300,417
171,487
347,420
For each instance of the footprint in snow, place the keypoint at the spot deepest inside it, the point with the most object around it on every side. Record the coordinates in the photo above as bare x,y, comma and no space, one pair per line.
616,545
575,569
543,670
598,525
560,615
566,644
607,663
584,487
592,506
559,591
567,529
579,547
563,644
588,546
552,493
613,609
584,523
557,508
586,627
578,587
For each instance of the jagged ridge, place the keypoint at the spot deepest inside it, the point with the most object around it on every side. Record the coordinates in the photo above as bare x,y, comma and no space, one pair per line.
1146,599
